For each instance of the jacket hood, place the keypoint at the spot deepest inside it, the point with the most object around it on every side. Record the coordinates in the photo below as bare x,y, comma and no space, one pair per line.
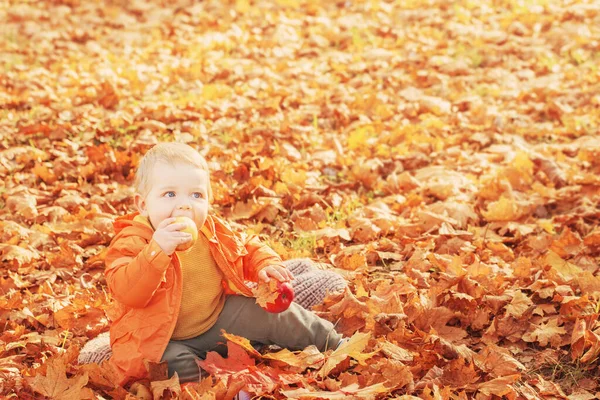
133,224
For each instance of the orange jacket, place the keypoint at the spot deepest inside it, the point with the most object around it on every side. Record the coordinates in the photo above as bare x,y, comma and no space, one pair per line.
147,285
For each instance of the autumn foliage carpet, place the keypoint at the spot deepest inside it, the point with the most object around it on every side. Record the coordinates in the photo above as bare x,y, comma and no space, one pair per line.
443,156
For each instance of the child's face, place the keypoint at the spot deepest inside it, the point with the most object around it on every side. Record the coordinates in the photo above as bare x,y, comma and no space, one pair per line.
175,190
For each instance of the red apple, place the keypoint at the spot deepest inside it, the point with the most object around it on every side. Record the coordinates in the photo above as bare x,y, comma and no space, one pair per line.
283,301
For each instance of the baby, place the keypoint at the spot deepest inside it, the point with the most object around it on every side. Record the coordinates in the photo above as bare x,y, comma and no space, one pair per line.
171,306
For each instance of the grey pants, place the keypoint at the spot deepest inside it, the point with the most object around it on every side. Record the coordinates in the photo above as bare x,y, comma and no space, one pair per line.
294,329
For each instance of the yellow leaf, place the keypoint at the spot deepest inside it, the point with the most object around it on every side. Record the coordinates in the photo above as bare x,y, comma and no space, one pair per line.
456,267
215,92
288,3
310,357
242,342
352,348
523,164
353,262
358,137
242,6
360,290
547,225
294,176
502,210
565,269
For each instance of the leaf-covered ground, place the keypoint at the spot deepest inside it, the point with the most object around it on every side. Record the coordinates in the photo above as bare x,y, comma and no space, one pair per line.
443,156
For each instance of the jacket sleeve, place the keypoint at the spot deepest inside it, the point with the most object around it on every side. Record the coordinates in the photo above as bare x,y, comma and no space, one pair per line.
135,270
259,256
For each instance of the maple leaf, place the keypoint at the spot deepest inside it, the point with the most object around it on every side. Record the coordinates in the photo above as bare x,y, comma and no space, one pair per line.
578,336
310,357
240,367
565,270
56,385
17,255
351,348
352,392
305,128
242,342
547,387
544,333
519,304
459,373
396,352
568,243
504,209
497,362
102,376
265,293
499,386
171,385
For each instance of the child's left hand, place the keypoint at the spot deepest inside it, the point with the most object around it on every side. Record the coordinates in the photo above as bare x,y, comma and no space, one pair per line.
276,272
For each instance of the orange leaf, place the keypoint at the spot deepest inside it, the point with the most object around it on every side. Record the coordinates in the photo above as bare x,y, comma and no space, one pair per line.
56,385
544,333
242,342
349,392
498,362
265,292
499,386
171,385
519,304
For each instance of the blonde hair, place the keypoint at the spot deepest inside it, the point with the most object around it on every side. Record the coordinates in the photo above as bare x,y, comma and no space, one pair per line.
170,152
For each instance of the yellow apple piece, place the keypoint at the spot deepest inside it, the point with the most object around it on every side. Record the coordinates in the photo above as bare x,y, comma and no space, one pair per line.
191,229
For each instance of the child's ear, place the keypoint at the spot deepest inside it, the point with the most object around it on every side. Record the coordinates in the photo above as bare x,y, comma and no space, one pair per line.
140,203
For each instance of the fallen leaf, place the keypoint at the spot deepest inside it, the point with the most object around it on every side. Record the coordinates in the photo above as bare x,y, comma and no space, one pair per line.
56,385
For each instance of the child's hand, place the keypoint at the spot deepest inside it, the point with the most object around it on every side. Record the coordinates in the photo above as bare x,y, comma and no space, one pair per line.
168,235
276,272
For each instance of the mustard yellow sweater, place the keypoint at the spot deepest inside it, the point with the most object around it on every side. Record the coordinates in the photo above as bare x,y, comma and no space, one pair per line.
203,296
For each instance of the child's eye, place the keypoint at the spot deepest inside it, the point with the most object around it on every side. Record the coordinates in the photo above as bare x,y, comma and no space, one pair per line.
170,194
197,195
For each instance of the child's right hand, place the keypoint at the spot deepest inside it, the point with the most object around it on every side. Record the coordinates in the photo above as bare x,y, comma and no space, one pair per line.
168,235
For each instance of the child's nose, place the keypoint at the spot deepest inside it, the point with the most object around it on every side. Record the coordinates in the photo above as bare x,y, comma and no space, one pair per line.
184,207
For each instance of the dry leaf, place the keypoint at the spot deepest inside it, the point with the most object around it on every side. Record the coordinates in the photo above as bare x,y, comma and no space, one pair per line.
56,385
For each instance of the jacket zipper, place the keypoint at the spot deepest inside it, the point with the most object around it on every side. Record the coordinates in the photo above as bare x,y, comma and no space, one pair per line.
179,275
232,275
